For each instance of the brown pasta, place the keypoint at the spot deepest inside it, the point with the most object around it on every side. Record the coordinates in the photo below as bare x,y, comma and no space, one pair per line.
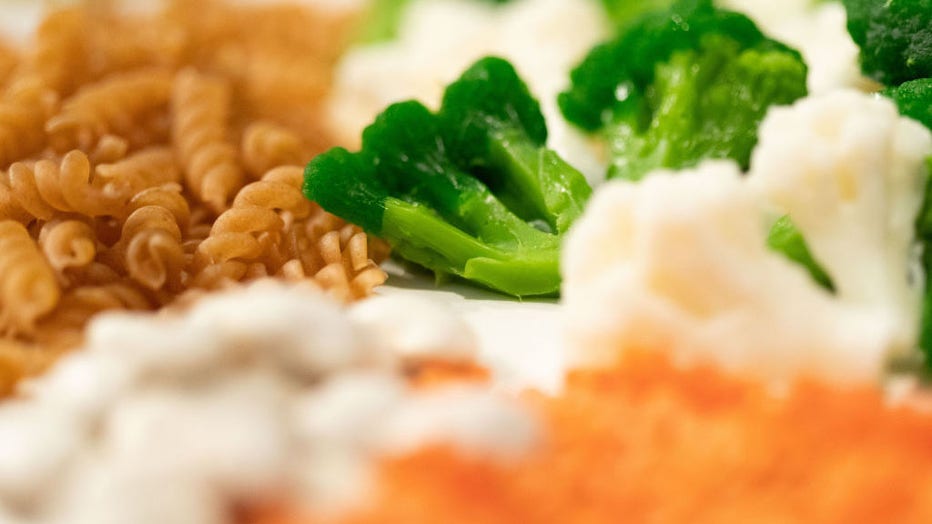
126,145
120,41
9,60
150,247
19,359
340,260
248,230
65,326
46,188
267,145
119,105
200,133
144,169
28,287
24,107
109,149
68,244
59,59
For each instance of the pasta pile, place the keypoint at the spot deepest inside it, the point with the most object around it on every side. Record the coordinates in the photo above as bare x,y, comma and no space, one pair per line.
150,156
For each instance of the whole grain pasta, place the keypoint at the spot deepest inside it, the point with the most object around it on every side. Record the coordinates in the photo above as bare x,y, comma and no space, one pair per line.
24,107
68,244
109,149
126,144
122,41
117,105
45,188
143,169
28,287
200,134
248,230
9,60
267,145
149,250
18,360
60,55
64,327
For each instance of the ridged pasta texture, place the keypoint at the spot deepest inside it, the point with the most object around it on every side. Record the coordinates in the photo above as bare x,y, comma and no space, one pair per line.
147,158
200,134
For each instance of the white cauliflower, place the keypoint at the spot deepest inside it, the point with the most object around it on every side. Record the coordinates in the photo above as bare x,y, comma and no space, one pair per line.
439,39
850,173
679,262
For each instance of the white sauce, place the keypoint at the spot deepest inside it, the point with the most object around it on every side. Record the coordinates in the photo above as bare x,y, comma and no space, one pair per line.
268,390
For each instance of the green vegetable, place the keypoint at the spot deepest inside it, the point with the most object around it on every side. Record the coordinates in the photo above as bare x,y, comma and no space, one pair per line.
471,191
895,37
623,12
384,17
682,85
914,99
924,235
784,238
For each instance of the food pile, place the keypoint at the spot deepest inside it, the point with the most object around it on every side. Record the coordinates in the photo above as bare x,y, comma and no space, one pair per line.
725,204
149,156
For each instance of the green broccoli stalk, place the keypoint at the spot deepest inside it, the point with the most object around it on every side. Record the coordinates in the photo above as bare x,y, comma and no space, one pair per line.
895,37
486,212
682,85
786,239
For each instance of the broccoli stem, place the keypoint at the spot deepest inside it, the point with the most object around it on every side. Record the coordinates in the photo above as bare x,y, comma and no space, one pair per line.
422,237
419,227
469,204
536,183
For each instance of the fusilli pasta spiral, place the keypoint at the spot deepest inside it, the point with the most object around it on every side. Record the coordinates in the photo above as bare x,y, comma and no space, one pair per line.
267,145
126,140
200,133
45,188
67,244
146,168
60,55
150,247
247,231
24,107
119,105
28,287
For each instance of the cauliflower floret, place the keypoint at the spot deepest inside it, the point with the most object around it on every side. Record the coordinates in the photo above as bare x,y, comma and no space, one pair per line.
438,39
679,262
850,172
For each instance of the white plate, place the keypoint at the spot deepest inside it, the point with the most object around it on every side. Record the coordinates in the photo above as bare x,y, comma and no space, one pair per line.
521,342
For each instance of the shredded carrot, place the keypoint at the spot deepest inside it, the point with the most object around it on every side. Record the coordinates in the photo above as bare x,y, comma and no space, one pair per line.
646,442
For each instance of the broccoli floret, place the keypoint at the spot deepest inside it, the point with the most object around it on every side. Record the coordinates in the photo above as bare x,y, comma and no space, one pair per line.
914,99
494,127
895,37
623,12
471,191
682,85
786,239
